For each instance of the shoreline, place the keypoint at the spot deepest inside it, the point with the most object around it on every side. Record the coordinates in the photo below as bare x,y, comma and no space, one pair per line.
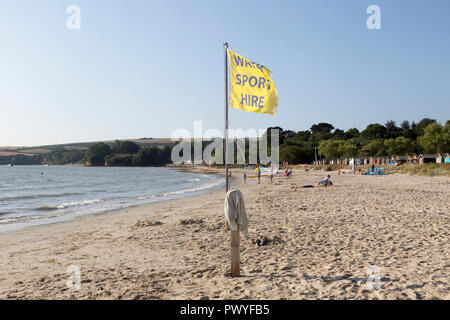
318,244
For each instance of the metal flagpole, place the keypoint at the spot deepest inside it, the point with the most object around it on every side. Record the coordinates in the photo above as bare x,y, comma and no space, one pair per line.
234,237
225,49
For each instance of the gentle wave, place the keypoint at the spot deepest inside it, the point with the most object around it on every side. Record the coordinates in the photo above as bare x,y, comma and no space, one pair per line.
46,208
69,205
77,204
36,196
7,220
195,189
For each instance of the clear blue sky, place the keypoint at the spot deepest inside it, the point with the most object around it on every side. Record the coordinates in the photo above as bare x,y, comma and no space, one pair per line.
144,68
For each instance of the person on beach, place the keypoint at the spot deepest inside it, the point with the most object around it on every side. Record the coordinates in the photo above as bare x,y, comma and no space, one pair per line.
245,178
271,174
259,175
325,182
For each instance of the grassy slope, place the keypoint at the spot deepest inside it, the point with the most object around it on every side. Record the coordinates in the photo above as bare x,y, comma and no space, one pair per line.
8,151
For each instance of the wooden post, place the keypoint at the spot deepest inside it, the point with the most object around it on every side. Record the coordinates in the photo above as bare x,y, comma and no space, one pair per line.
235,264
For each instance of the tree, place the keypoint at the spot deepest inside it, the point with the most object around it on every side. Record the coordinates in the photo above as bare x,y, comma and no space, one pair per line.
125,147
322,127
392,131
295,154
374,131
374,148
95,154
152,156
339,134
436,138
119,160
405,125
352,133
399,146
425,122
349,149
283,134
331,148
303,136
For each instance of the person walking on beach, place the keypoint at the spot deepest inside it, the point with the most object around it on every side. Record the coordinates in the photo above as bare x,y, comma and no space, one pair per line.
245,178
271,174
259,175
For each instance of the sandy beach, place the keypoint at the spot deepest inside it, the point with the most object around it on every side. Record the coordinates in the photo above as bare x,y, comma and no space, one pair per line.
316,243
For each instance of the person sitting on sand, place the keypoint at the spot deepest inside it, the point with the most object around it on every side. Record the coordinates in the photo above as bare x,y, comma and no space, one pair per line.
325,182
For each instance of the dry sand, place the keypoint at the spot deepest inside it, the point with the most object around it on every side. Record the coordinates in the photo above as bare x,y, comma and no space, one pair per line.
318,243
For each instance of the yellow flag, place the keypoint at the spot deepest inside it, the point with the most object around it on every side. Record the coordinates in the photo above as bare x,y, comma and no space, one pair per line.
252,88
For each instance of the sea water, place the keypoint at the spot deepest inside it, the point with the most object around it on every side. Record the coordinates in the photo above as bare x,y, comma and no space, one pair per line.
36,195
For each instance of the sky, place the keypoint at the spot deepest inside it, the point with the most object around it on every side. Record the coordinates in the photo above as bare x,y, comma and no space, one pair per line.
146,68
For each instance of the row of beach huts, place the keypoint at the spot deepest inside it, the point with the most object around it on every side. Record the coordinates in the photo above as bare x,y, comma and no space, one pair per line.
390,160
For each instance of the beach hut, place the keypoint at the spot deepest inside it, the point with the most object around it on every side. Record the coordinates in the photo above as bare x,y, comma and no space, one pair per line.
372,160
426,158
401,159
413,159
359,161
378,160
439,158
355,161
365,160
345,161
392,161
447,158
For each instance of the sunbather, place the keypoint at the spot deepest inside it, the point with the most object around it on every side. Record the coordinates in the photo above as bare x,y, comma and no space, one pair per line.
325,182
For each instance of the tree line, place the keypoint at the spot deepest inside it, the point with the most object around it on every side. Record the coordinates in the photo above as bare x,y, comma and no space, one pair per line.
120,153
126,153
426,136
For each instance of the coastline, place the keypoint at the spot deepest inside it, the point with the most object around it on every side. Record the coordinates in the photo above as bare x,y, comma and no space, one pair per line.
319,243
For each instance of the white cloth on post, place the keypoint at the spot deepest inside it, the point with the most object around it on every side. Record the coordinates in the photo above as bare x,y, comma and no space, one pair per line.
235,211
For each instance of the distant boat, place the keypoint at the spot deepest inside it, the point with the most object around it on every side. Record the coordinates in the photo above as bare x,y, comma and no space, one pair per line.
46,165
10,165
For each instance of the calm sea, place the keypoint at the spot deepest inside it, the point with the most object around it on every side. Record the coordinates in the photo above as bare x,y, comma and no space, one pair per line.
35,195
